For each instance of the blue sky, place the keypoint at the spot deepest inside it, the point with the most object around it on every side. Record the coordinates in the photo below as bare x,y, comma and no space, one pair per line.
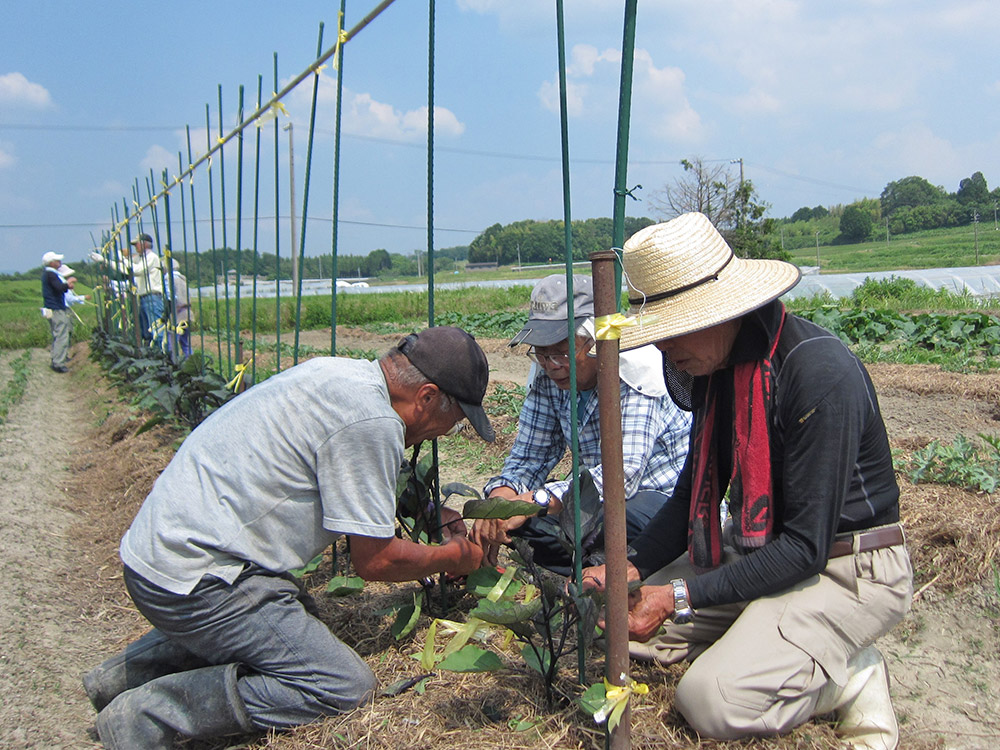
824,102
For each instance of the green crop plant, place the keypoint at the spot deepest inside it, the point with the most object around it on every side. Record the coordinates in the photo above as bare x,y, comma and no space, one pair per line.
13,391
964,463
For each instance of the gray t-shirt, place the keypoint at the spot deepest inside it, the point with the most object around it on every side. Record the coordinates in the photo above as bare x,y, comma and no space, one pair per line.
274,477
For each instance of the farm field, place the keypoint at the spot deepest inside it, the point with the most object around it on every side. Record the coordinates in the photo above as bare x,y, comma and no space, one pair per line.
75,471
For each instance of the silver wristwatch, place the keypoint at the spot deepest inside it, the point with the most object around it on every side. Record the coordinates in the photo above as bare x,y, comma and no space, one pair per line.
542,498
683,613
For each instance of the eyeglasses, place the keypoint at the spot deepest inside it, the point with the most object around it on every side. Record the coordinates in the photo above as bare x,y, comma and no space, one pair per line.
556,360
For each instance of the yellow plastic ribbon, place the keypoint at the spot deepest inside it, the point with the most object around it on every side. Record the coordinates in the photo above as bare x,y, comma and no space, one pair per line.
276,108
341,39
236,382
615,699
609,327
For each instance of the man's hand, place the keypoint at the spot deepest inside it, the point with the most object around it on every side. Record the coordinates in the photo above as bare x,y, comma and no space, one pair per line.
470,556
452,524
648,608
596,577
492,532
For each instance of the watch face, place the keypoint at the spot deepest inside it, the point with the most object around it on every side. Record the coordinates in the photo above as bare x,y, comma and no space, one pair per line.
542,497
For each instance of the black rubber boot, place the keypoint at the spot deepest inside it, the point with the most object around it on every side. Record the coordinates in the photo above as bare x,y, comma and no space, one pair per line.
199,703
154,655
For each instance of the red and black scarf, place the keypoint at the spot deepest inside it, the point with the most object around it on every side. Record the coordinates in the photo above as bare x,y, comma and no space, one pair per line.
751,495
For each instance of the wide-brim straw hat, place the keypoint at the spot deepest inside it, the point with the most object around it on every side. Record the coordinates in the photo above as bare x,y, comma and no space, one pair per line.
683,277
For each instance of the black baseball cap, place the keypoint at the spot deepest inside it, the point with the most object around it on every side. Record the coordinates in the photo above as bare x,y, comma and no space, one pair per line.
452,360
142,238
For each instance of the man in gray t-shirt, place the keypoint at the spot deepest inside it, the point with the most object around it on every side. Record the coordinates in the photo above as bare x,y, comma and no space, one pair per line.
261,487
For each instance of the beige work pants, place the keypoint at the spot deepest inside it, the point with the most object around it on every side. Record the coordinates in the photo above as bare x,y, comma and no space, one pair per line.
758,667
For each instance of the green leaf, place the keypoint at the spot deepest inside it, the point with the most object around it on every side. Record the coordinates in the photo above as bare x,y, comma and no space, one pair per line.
406,619
151,423
497,507
505,612
457,488
593,698
471,659
309,567
345,585
530,656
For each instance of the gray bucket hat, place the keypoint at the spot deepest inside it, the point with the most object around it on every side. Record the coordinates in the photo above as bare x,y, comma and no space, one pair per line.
549,313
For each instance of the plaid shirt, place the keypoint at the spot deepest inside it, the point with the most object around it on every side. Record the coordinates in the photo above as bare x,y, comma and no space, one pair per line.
654,441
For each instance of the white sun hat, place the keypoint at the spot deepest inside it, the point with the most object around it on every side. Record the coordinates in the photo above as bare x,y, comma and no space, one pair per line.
683,277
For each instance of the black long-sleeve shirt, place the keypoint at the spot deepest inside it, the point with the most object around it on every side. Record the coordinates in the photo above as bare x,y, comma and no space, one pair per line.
831,466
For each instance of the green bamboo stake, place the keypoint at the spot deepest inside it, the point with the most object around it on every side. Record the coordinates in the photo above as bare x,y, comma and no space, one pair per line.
239,225
197,254
211,214
277,238
225,242
305,202
184,241
621,150
256,205
336,184
568,227
171,332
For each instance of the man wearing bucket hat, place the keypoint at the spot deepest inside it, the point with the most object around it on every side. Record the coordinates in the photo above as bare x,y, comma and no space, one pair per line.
54,288
260,488
777,610
654,431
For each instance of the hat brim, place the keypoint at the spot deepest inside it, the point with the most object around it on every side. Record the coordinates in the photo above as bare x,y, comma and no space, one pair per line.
744,285
542,333
478,419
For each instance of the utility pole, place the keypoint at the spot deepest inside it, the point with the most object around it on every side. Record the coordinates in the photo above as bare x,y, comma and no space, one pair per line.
887,231
975,225
995,225
741,209
817,249
291,202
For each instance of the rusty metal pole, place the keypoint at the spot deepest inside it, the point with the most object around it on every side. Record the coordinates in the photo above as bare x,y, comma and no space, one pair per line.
615,539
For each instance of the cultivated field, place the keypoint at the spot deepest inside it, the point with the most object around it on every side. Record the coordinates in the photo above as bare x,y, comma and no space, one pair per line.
75,470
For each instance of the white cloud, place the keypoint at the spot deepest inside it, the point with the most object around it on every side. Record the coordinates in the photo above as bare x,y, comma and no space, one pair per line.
548,94
15,89
362,113
6,157
917,151
158,158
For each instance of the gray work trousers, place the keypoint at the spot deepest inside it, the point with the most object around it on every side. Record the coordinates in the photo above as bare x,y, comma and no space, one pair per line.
297,671
757,668
60,324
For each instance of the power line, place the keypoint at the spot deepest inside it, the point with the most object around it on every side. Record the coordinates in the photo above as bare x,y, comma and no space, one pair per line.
325,219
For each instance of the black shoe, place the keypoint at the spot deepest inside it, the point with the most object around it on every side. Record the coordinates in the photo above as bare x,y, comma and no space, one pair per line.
59,368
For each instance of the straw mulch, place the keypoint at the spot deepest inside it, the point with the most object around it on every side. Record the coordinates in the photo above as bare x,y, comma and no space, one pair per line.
953,538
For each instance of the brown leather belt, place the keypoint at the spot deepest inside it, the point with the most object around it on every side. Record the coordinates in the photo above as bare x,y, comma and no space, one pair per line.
868,539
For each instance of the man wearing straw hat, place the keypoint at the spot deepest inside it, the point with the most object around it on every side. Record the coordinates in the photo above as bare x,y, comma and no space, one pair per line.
778,608
260,488
654,431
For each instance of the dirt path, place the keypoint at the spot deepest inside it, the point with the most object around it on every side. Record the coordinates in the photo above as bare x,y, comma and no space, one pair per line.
42,643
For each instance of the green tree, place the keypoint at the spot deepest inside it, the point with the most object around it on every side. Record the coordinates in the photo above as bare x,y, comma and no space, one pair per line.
856,223
973,191
912,192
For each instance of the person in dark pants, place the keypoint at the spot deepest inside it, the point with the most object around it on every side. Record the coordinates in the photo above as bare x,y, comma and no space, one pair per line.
261,487
54,289
654,430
